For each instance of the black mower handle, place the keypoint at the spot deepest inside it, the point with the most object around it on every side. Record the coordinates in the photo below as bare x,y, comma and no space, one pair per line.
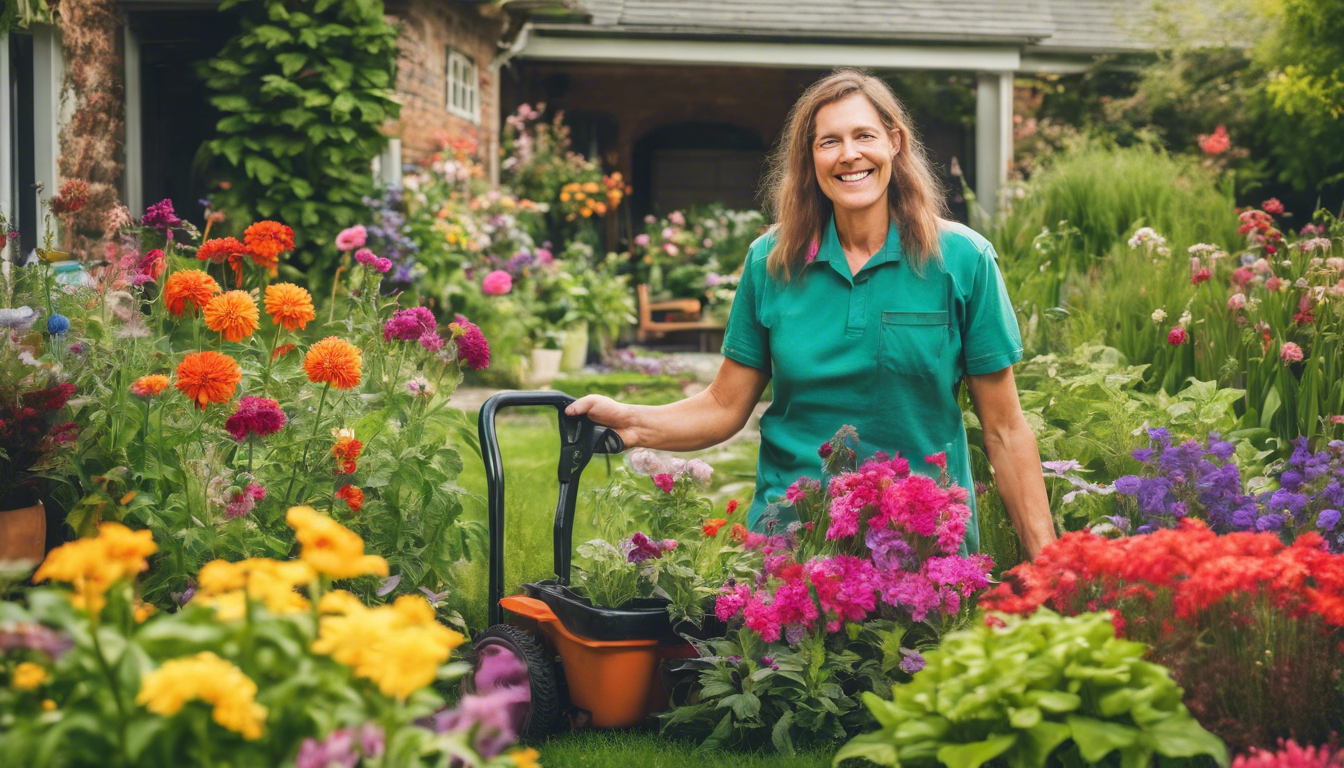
580,438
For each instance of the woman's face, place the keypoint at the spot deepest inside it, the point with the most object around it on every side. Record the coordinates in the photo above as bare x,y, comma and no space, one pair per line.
852,153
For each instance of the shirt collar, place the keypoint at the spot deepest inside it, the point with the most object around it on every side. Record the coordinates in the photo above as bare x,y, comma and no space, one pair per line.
831,251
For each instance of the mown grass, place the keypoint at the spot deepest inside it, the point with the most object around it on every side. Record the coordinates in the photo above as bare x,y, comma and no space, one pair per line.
643,749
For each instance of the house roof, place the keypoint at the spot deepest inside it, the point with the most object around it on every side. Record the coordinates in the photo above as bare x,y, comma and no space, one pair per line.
1065,26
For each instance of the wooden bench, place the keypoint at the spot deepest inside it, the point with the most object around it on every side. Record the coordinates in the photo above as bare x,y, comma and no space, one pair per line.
686,312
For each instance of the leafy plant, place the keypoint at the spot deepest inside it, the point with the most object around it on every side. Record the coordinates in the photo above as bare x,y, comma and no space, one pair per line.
303,91
1040,691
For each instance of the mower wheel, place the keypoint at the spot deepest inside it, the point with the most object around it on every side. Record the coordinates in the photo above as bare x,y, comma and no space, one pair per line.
509,658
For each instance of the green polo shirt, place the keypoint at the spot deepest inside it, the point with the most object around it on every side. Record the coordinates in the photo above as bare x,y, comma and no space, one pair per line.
884,350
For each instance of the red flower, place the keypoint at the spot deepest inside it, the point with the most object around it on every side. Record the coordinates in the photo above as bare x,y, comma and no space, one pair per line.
663,481
346,451
825,450
51,399
1272,206
1200,276
711,527
732,506
1177,336
352,496
255,416
1215,143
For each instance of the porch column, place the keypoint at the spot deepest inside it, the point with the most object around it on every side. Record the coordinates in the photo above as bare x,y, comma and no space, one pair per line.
133,177
48,72
6,143
993,136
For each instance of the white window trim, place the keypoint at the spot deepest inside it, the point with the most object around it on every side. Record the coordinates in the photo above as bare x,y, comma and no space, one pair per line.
462,87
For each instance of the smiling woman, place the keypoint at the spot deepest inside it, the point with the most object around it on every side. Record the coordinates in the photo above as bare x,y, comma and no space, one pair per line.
866,307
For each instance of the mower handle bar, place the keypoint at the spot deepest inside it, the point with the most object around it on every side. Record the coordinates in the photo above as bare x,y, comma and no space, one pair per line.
580,438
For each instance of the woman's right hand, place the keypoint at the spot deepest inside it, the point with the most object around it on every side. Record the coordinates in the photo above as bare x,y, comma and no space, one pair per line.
608,413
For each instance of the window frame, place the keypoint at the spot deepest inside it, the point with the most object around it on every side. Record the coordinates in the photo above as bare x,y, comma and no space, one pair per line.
462,86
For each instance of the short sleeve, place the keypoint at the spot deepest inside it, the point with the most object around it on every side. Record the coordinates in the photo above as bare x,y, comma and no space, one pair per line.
746,339
990,339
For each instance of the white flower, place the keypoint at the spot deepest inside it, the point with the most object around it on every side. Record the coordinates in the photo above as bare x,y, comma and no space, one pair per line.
1163,250
20,318
1201,248
699,470
1159,315
1185,319
1147,237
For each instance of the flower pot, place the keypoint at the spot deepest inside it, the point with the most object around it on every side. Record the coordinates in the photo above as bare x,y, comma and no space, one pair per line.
23,533
575,348
545,365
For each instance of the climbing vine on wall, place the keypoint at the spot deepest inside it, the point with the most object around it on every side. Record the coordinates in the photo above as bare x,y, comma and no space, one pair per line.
90,139
303,90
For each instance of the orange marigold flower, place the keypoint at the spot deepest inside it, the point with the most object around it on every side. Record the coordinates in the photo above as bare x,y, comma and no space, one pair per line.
189,286
346,450
738,532
233,314
711,527
289,306
208,377
151,385
352,496
333,361
221,249
266,240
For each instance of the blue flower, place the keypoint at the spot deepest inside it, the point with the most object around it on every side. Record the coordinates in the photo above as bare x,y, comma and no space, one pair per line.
57,324
1328,519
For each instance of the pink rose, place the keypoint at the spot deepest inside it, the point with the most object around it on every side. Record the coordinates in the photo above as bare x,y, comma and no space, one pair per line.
497,283
1291,353
352,238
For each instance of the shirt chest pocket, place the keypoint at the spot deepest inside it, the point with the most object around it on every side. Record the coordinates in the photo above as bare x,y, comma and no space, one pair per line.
914,343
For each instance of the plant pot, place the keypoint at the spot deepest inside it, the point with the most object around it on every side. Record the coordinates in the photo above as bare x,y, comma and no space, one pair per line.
575,348
23,533
545,365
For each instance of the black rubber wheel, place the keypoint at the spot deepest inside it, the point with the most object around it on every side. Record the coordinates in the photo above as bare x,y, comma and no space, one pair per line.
540,714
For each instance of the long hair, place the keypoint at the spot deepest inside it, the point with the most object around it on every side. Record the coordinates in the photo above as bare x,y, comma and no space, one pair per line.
800,209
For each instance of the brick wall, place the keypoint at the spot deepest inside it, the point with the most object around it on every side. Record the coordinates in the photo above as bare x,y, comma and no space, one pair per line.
428,29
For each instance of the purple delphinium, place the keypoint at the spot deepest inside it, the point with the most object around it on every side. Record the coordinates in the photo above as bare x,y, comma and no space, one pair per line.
1204,480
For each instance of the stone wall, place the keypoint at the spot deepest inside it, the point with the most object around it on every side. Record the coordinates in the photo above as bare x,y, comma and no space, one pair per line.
428,29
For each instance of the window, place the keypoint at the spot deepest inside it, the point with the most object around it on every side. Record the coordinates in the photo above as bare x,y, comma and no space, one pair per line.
464,90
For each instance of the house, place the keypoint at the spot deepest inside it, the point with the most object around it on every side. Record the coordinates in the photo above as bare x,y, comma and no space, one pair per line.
686,97
683,96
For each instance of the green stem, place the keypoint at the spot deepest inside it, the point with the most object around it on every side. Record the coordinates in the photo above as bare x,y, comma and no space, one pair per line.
144,438
303,463
203,741
270,358
116,693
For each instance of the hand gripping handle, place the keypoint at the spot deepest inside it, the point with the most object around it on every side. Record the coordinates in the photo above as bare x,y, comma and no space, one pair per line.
580,438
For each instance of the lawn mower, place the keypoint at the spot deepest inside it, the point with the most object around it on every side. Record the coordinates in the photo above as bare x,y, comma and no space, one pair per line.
558,659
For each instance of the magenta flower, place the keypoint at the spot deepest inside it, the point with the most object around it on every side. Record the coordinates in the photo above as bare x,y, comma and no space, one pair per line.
497,283
1236,301
351,238
244,501
664,482
938,460
825,450
1291,353
1177,336
257,416
161,216
366,257
431,341
639,548
472,348
409,324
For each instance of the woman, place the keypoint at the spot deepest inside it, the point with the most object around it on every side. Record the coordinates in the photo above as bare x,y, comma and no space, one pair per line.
866,307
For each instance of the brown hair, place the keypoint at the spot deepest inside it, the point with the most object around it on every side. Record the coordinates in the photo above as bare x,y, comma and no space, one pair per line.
796,201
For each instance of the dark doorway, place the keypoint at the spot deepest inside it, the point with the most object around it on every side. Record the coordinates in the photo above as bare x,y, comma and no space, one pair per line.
176,115
687,164
22,149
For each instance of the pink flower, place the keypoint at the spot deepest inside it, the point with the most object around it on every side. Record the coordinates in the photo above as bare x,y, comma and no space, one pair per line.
1291,353
1243,275
497,283
667,545
1201,275
639,548
431,341
1215,143
472,348
1177,336
1272,206
800,488
409,324
244,501
825,450
642,240
670,249
1275,284
382,266
352,238
366,257
938,460
677,218
663,481
730,602
1236,301
1337,419
255,416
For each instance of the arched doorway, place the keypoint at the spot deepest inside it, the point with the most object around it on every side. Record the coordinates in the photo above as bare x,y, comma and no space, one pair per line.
681,165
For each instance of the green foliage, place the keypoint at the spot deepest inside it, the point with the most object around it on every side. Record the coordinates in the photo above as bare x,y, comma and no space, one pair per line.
753,694
1041,691
1305,91
627,387
303,91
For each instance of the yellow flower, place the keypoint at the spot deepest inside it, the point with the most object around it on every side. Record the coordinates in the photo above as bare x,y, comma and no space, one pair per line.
28,676
142,611
331,548
400,647
48,705
208,678
93,565
525,758
227,586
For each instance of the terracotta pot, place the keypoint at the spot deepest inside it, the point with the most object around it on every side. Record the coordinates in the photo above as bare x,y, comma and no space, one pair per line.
23,533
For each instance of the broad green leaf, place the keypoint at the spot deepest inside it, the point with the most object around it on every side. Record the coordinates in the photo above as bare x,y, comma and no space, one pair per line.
1097,738
779,734
874,747
1182,736
977,753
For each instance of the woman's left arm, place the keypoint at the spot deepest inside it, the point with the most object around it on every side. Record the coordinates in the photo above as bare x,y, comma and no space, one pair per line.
1013,454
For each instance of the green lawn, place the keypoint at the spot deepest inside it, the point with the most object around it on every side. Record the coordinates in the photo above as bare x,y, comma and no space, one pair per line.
643,749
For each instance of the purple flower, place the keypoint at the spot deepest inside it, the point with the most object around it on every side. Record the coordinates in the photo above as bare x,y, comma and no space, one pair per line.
338,749
1270,522
161,216
767,661
372,740
409,324
489,718
1062,467
431,341
35,637
891,552
639,548
913,661
1328,519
